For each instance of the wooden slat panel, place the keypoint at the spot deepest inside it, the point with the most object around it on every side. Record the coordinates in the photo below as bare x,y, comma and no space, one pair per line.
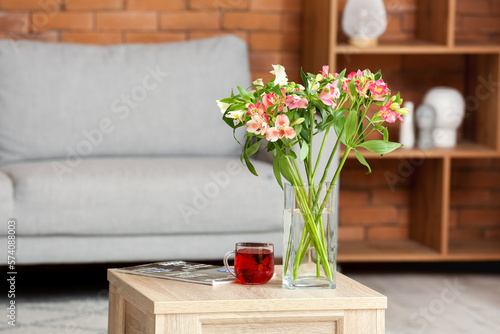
427,201
433,21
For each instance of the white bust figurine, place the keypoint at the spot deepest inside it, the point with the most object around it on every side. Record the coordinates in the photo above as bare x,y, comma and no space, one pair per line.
426,117
449,109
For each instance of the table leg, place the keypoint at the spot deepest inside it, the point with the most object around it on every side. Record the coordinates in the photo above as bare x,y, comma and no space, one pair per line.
116,313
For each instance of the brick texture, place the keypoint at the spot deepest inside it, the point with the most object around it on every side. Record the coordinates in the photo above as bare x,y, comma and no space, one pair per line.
106,21
14,22
387,233
276,5
252,21
156,4
368,215
62,21
156,37
351,233
30,5
190,20
213,4
93,4
92,38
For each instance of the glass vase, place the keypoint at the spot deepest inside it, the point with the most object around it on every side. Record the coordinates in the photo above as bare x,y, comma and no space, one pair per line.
310,237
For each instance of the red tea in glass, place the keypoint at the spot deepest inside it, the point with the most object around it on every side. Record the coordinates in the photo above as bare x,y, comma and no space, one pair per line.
253,262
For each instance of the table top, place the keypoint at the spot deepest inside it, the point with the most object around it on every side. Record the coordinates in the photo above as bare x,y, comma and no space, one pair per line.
164,296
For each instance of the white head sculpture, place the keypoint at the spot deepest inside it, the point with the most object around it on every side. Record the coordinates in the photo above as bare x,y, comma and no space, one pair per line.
449,109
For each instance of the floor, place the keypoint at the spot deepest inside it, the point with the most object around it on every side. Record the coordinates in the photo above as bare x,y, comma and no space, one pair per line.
431,299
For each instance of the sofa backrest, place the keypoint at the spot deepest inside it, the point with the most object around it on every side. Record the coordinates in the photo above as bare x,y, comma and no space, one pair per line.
59,100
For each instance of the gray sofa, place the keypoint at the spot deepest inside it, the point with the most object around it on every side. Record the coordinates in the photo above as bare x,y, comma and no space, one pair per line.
119,153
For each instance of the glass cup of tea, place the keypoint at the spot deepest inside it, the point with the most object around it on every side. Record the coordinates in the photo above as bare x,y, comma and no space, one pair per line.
253,262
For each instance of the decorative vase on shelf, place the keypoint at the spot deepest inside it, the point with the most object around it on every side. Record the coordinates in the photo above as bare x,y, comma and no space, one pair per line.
407,130
364,21
310,236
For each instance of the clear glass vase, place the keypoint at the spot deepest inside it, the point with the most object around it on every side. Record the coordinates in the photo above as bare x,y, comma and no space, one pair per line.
310,237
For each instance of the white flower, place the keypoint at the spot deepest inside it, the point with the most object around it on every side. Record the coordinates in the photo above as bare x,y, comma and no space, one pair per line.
279,72
314,85
237,115
258,82
223,106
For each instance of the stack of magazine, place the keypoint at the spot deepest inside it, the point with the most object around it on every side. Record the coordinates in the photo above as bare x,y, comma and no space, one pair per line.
183,271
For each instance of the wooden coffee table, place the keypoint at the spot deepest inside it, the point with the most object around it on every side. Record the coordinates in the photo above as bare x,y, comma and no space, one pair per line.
139,304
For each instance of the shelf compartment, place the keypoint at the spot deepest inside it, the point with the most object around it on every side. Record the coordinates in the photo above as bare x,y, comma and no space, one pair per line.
385,251
482,94
462,150
475,250
476,76
434,23
412,251
416,47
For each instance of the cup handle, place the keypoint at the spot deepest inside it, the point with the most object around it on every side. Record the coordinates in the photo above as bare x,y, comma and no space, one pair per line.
226,257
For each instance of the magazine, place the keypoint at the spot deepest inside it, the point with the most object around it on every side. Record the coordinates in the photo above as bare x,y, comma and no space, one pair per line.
183,271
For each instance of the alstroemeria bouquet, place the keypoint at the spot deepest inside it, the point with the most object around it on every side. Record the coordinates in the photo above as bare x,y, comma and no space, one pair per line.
289,115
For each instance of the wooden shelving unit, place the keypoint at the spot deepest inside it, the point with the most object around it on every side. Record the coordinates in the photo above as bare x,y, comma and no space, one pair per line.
430,206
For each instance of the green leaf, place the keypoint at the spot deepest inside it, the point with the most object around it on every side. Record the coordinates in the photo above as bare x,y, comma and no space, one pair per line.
250,167
227,100
229,121
291,154
277,90
386,134
285,171
380,146
298,128
251,150
304,151
235,106
352,88
245,157
244,94
340,77
276,168
304,79
362,160
350,127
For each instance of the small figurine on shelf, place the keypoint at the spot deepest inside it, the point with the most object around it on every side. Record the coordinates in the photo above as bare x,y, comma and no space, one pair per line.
449,110
426,117
407,130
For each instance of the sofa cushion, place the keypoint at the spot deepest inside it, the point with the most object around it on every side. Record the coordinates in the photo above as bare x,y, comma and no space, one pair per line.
66,100
146,196
6,198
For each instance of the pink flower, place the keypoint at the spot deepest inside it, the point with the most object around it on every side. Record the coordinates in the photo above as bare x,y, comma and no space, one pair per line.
281,129
379,90
329,94
259,121
345,85
274,99
256,109
362,88
351,75
324,71
388,114
294,101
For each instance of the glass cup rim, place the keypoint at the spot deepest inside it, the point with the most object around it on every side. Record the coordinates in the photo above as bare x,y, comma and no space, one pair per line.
254,244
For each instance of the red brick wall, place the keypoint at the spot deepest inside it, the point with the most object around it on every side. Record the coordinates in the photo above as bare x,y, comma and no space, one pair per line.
370,207
475,199
271,28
